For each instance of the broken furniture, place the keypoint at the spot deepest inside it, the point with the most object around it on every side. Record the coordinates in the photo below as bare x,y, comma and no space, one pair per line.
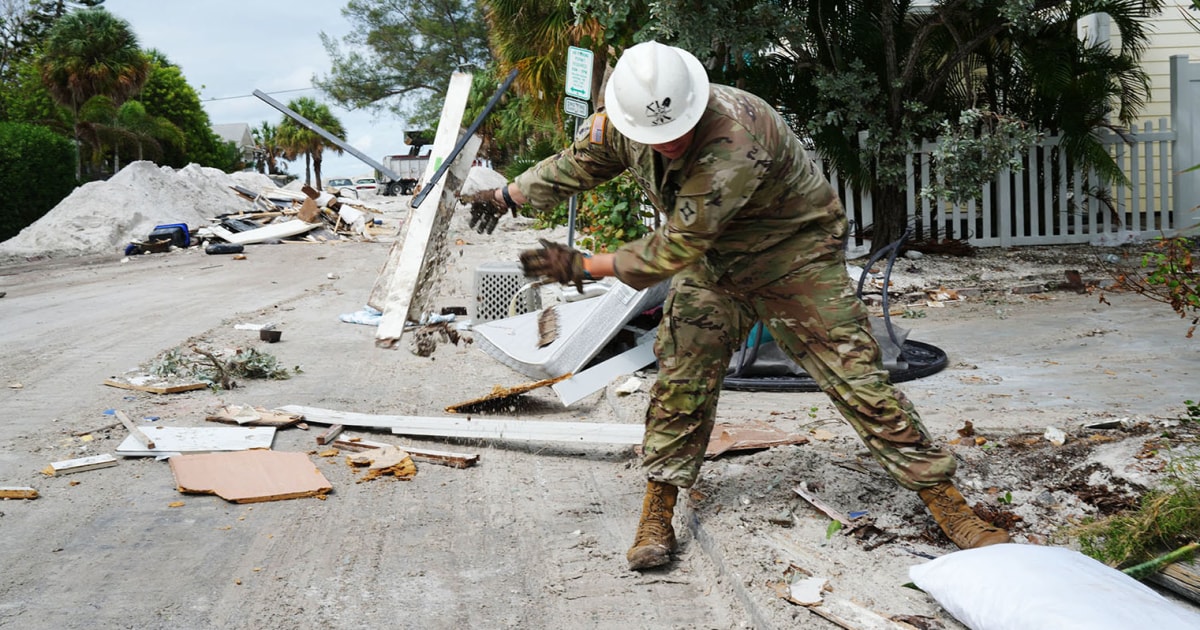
585,328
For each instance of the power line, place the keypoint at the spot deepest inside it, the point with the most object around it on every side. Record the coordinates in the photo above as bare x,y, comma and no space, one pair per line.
230,98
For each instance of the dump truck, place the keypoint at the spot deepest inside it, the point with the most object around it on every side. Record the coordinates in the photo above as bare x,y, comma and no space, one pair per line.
408,166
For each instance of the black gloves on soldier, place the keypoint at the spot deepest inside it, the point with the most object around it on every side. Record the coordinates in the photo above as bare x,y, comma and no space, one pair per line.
486,210
557,262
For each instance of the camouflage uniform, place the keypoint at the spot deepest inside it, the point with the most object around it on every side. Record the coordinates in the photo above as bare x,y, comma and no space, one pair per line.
753,232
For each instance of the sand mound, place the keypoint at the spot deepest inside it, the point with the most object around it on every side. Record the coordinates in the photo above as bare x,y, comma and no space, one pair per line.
102,217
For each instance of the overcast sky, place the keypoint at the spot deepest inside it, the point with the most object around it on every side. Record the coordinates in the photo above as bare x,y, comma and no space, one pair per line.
228,49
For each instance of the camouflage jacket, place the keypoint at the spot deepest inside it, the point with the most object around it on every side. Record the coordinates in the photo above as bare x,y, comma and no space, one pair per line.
740,201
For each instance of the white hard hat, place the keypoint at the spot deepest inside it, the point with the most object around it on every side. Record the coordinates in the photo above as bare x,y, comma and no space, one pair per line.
657,93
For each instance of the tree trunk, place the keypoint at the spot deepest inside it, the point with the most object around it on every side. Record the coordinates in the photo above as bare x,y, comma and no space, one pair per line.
891,215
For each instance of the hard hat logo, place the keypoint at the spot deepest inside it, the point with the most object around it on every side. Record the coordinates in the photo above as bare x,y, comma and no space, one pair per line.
656,93
659,113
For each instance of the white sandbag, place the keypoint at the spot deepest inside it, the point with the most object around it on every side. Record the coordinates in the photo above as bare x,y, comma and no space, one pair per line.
1027,587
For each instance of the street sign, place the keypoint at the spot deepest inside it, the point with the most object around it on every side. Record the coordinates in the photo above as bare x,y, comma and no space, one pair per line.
575,107
579,73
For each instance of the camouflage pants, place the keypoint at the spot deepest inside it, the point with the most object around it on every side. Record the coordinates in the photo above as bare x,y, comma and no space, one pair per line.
817,320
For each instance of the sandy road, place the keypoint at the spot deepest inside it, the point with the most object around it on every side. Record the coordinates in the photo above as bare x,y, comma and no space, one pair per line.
530,538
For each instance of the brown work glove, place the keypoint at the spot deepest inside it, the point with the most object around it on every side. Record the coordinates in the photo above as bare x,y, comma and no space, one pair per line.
485,210
557,262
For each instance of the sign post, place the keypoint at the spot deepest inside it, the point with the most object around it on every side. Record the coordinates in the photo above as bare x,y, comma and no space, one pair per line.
579,92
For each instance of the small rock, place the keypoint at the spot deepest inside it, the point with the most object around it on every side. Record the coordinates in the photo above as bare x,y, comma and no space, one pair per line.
1055,436
913,254
630,386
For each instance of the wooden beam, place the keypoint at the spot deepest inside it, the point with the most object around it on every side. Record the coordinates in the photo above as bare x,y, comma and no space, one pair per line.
17,492
445,458
156,389
133,429
328,436
532,430
68,466
426,232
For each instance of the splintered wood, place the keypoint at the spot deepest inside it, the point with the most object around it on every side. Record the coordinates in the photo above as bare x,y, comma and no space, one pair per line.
382,462
500,393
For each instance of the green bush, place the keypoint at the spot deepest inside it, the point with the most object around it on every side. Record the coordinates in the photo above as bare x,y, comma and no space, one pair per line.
37,170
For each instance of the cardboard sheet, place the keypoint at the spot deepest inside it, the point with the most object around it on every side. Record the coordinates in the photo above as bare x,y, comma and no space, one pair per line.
249,476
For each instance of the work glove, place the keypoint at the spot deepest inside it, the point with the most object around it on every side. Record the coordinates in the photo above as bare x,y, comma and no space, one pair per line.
557,262
485,210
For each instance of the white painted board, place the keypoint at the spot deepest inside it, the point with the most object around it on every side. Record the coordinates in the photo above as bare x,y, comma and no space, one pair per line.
533,430
168,440
593,379
268,232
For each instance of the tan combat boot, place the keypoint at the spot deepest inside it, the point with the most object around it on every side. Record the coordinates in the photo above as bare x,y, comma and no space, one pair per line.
655,537
957,520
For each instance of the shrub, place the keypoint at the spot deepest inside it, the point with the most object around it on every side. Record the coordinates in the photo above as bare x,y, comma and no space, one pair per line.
37,170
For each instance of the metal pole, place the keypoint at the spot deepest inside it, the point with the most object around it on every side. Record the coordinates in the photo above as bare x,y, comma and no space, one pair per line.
573,204
313,127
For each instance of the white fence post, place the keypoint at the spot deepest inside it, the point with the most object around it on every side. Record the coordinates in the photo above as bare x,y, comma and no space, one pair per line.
1185,116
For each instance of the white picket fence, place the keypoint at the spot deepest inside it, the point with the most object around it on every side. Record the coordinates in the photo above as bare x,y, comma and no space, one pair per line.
1049,201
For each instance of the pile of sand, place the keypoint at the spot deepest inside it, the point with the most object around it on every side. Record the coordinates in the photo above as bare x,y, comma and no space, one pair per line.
102,217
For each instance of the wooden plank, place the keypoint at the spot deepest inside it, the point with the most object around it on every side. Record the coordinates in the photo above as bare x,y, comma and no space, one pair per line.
330,435
535,430
156,389
427,225
18,492
171,440
847,614
133,429
445,458
249,476
81,464
1182,578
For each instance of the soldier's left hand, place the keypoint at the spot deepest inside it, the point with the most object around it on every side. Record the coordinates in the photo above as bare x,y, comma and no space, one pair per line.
557,262
486,209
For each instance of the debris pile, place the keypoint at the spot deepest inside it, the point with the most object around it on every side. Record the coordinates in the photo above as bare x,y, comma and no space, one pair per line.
131,210
101,217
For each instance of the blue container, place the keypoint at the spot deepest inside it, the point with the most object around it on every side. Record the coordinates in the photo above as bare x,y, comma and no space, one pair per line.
176,232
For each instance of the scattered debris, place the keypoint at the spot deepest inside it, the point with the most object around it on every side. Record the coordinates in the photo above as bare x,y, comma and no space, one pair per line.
1055,436
857,524
537,430
453,460
748,437
500,395
249,476
150,384
384,461
81,464
547,324
328,436
424,338
173,440
17,492
254,417
133,429
631,385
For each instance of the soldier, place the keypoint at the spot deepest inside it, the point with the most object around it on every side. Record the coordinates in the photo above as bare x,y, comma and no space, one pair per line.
753,232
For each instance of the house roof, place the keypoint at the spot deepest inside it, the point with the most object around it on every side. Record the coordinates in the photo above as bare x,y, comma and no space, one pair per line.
237,133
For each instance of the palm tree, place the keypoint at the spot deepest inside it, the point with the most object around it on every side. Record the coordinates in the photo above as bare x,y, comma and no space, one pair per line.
92,53
295,140
266,136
